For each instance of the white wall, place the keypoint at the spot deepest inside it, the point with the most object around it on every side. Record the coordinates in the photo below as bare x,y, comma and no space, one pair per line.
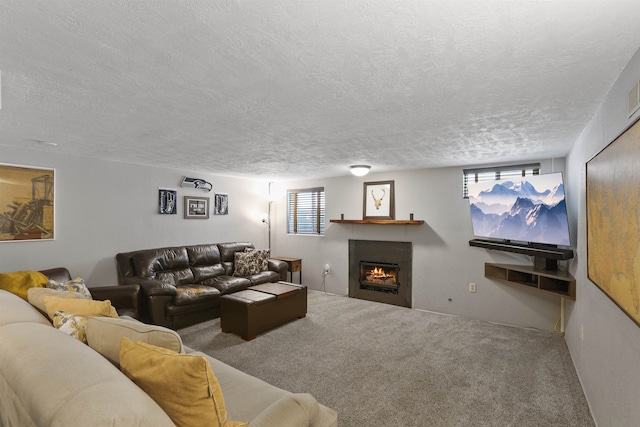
608,357
103,208
443,262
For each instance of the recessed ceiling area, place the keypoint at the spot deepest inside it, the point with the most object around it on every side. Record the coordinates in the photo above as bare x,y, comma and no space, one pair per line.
303,89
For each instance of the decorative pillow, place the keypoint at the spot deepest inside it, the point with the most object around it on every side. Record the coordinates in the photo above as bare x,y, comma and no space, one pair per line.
263,259
104,333
71,324
263,256
182,384
35,296
246,263
75,285
19,282
80,307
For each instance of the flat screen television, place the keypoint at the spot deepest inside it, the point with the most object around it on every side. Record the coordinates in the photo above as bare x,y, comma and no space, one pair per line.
529,209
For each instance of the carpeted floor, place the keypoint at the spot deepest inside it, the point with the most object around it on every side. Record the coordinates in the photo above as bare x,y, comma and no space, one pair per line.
381,365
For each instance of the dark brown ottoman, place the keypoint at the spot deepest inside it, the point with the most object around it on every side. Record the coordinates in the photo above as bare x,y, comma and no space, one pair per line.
262,307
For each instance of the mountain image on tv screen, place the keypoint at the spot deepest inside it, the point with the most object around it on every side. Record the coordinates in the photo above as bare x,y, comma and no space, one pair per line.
529,209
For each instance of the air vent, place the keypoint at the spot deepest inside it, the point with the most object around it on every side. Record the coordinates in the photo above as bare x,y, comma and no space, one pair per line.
634,99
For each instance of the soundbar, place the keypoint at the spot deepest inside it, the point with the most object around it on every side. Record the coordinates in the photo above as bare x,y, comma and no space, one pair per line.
535,250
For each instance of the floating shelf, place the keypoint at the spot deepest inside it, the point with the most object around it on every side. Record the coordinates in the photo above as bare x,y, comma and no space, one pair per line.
556,282
379,221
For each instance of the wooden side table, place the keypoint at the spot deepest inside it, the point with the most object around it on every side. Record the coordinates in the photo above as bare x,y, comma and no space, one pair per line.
295,265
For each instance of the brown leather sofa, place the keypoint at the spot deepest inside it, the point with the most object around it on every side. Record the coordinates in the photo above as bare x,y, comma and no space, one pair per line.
182,285
126,299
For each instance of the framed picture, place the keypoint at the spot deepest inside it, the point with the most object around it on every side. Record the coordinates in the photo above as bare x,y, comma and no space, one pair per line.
613,234
26,203
379,200
221,204
167,201
196,207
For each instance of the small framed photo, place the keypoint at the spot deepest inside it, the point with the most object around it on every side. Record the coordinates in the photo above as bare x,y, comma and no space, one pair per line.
167,201
379,200
196,207
221,204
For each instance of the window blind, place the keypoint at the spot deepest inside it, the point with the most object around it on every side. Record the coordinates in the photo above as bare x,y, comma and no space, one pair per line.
496,173
305,211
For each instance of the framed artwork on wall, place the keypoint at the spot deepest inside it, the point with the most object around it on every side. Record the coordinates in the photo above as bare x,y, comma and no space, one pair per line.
167,201
379,200
613,224
27,200
196,207
221,204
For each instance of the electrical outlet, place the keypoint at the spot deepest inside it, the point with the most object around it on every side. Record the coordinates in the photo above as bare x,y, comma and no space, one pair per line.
327,269
472,287
581,332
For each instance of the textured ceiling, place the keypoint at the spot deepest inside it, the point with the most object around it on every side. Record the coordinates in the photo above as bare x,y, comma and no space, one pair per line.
303,89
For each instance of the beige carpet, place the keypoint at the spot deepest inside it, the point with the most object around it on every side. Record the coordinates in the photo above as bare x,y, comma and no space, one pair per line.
382,365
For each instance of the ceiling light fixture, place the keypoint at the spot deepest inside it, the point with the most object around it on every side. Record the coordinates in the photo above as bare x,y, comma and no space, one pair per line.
360,170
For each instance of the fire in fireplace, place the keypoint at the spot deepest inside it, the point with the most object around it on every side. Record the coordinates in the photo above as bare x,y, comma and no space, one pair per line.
379,277
380,271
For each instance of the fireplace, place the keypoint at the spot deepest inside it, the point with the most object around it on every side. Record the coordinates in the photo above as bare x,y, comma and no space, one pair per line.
379,276
381,271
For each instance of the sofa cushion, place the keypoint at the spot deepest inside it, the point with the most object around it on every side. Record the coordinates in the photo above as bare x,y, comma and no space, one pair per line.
19,282
204,272
294,410
80,307
227,250
203,255
189,294
264,277
16,310
74,285
176,277
183,385
149,262
71,324
62,382
228,284
237,385
36,296
104,333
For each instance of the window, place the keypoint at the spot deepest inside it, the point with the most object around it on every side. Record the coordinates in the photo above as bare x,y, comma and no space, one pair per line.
305,211
496,173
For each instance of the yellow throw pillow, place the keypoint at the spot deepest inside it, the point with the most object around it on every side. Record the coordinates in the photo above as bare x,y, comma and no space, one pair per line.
182,384
19,282
79,307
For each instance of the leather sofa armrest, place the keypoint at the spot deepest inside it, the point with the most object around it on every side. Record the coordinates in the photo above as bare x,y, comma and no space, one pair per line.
59,274
125,298
151,286
157,311
279,267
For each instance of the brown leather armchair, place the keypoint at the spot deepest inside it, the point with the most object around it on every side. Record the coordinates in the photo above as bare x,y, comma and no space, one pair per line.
126,299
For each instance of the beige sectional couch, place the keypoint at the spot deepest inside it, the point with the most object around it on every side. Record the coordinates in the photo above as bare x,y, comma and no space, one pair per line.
49,378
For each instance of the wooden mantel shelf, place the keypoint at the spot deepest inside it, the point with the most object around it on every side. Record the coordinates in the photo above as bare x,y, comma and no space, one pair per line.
379,221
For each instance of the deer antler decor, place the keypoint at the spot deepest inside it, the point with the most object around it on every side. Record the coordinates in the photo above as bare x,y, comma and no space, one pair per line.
379,200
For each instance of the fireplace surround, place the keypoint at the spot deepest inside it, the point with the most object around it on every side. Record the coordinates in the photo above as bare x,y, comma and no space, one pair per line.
381,271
